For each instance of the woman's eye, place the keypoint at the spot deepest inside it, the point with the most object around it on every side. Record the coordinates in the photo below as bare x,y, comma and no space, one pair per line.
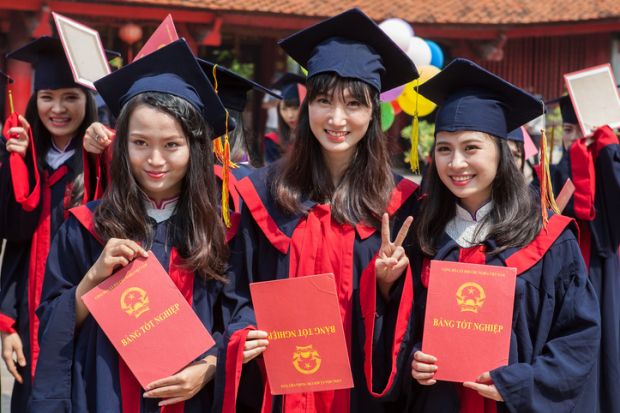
172,145
138,142
323,101
354,103
471,147
442,149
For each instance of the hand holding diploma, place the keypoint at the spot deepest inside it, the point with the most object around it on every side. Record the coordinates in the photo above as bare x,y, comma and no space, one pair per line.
185,384
391,260
256,342
423,369
116,253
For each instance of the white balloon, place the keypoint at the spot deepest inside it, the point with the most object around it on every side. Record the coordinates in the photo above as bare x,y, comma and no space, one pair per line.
398,30
419,52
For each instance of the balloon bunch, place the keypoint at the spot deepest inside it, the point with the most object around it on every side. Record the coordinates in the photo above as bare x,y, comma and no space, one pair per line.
428,58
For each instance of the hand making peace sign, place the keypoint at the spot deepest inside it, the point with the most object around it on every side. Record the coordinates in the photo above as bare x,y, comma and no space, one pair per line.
392,260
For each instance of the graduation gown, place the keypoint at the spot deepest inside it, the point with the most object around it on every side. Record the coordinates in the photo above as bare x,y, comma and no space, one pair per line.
595,171
555,328
273,245
79,370
29,235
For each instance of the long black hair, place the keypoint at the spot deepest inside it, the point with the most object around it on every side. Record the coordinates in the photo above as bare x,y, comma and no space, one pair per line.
514,221
197,230
43,141
363,193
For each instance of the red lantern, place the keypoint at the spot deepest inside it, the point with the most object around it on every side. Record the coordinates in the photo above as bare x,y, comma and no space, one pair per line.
130,33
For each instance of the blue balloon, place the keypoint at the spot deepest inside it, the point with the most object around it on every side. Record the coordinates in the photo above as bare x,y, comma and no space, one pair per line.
436,54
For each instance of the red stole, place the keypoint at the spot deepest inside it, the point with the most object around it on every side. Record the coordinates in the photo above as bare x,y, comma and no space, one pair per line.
39,250
470,400
321,245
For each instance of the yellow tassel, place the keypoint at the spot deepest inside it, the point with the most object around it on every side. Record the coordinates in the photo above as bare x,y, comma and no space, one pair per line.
225,177
11,107
222,153
414,160
215,78
547,200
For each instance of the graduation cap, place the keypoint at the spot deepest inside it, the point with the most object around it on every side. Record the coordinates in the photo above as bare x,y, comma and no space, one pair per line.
232,88
287,84
566,109
472,98
173,70
353,46
48,58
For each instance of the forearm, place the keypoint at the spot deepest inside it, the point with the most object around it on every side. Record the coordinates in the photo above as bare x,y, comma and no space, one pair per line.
81,311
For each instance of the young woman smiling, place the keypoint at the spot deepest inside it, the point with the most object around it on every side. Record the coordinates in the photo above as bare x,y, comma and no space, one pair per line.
478,209
162,196
319,210
57,115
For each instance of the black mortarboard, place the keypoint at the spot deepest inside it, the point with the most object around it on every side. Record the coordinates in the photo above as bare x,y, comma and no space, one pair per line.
232,88
516,135
287,84
48,58
472,98
353,46
172,69
566,109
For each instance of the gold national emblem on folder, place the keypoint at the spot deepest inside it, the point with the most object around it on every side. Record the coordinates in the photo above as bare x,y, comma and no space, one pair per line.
470,297
135,301
306,359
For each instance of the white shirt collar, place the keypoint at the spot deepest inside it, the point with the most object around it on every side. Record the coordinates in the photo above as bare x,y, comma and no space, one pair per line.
482,212
163,210
465,229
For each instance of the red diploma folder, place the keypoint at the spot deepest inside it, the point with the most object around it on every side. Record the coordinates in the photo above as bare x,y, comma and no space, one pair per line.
307,350
468,318
565,194
147,319
165,34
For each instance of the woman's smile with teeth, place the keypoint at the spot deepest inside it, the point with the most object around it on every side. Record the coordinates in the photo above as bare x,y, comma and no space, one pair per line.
60,120
461,178
336,133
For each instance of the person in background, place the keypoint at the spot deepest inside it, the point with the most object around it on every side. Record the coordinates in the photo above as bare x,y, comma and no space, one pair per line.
48,143
592,162
279,142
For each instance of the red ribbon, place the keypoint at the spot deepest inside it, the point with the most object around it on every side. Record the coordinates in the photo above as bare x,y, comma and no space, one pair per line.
19,170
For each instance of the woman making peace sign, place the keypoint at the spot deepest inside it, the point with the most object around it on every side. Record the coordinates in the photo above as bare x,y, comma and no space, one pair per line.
319,209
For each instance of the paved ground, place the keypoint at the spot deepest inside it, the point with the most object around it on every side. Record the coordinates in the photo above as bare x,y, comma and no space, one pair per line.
7,387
